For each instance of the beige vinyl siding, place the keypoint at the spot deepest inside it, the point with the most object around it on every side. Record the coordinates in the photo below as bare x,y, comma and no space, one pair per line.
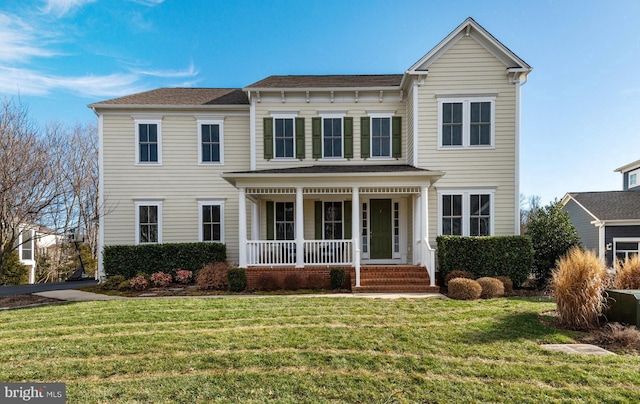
179,182
465,69
308,111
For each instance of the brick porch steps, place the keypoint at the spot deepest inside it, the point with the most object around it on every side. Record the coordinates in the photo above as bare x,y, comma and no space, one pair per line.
393,279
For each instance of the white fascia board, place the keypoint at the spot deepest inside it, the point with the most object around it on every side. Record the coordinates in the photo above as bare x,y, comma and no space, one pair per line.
619,222
628,167
101,107
325,89
569,197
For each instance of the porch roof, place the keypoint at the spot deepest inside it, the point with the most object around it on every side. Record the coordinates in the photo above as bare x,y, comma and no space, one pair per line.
394,174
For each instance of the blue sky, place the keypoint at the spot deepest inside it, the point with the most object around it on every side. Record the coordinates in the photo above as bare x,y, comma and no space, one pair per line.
579,107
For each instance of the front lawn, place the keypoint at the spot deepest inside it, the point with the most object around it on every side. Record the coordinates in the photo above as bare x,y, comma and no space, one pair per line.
284,349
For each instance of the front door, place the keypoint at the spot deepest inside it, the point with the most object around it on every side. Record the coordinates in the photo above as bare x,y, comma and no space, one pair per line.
381,232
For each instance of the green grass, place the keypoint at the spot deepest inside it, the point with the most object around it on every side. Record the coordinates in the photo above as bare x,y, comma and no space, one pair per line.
284,349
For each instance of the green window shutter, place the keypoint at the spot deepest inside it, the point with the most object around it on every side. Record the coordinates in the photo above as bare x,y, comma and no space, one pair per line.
318,220
268,138
396,136
365,136
316,137
348,137
270,221
347,220
300,138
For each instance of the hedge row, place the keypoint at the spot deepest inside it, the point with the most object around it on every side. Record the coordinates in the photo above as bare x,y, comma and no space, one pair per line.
510,256
129,260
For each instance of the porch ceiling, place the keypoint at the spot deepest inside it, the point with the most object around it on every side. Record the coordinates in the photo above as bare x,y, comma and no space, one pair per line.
314,178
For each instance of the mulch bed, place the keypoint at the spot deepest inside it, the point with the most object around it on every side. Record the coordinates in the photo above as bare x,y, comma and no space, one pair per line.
10,302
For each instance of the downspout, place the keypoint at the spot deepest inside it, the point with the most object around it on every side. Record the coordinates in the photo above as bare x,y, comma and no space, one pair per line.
252,131
416,163
518,85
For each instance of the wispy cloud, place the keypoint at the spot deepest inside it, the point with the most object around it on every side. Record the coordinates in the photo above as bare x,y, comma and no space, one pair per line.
18,41
148,3
191,71
62,7
29,82
23,49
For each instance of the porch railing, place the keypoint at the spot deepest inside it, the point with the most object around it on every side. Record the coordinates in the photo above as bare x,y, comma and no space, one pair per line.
283,252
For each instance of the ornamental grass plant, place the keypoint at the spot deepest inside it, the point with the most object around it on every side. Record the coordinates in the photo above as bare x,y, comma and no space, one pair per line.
627,273
578,285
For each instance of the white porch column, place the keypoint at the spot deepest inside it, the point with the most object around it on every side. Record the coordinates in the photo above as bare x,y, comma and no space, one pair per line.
299,228
242,229
355,231
428,257
255,221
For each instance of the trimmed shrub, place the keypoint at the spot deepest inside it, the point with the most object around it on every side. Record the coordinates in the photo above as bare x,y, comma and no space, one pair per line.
184,276
124,285
578,284
129,260
491,287
457,274
293,281
510,256
113,282
627,273
237,279
268,281
161,280
139,283
464,289
213,276
506,282
337,278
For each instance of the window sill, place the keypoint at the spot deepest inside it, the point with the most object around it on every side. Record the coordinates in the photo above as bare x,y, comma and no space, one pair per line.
383,158
148,164
332,159
210,163
488,147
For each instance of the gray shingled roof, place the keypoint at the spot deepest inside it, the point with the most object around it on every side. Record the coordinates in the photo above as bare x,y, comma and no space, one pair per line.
611,205
364,80
340,169
182,96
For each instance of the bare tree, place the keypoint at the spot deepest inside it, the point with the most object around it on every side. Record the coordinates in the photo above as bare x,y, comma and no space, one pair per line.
30,182
529,207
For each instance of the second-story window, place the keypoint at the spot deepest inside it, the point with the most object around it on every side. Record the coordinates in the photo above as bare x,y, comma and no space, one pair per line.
148,142
332,137
380,137
211,141
284,137
466,122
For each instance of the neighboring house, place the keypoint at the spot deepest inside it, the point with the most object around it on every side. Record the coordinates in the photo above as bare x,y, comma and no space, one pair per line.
34,241
630,176
607,222
322,171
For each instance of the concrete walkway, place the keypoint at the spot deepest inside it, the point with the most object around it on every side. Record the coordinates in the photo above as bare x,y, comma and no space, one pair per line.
577,349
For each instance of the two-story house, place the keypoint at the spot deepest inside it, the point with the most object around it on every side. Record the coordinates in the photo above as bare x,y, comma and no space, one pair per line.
608,222
304,172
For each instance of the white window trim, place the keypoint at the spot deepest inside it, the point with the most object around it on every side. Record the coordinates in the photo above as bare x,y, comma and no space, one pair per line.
137,214
284,115
137,123
466,122
623,240
333,115
220,123
381,114
635,172
466,193
21,243
210,202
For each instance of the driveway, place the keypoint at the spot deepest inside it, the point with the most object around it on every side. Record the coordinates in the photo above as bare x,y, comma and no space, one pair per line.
43,287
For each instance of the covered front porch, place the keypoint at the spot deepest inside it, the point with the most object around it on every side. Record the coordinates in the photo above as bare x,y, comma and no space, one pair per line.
332,216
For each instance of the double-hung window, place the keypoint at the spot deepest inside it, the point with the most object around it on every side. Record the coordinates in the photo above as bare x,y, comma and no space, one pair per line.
26,244
284,137
211,221
633,179
332,137
381,135
466,122
210,141
333,221
148,141
284,221
148,222
466,213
